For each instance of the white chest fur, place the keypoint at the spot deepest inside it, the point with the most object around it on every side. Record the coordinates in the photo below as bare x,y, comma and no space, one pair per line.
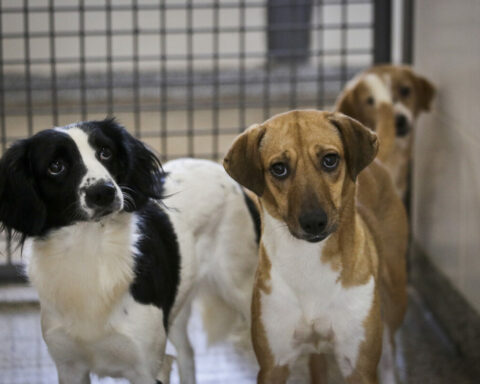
83,273
308,309
83,270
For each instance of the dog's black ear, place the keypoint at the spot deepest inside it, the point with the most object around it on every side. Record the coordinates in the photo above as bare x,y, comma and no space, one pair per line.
21,208
359,142
243,162
425,93
145,176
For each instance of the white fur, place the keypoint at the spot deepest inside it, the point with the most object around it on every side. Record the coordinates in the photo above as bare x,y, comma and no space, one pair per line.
380,91
95,170
83,272
211,205
90,322
308,309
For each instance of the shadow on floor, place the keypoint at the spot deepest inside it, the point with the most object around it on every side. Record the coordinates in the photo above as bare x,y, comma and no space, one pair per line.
425,354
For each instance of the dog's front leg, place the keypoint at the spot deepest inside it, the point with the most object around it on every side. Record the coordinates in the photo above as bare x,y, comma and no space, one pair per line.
270,372
69,360
358,359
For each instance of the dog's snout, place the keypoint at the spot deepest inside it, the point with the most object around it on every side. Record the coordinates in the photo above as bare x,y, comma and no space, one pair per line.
100,194
314,222
401,124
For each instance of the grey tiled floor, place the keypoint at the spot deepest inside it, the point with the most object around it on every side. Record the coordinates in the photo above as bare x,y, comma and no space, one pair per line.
426,356
24,358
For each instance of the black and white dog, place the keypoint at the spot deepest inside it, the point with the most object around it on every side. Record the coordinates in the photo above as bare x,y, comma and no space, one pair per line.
116,266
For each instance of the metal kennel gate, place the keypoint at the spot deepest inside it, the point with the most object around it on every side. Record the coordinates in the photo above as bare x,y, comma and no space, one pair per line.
185,76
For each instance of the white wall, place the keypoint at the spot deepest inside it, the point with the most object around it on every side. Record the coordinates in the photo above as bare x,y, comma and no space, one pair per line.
446,194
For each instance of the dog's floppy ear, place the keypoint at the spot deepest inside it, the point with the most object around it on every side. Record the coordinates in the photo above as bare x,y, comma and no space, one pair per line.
346,103
141,173
145,178
21,208
425,91
243,162
359,142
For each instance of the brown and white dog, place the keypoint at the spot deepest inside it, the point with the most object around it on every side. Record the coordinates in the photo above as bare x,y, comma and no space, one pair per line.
388,99
331,276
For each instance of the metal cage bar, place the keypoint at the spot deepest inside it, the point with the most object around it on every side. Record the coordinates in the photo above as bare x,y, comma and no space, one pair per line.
185,76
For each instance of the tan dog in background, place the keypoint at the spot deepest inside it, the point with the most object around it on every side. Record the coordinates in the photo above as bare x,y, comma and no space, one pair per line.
388,99
331,276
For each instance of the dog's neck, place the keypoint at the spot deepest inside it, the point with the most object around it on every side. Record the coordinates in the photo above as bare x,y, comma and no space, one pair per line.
351,246
344,250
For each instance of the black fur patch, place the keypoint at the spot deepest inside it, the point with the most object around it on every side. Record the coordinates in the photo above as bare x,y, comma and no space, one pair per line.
32,202
252,209
134,167
157,264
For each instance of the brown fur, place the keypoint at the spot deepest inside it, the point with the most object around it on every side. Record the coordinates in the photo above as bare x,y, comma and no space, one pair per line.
380,117
366,220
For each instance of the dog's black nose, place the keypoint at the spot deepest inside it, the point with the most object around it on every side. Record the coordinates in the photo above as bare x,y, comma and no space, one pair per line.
314,222
401,125
100,194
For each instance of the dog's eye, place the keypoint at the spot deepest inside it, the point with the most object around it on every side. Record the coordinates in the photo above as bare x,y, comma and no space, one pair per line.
279,170
370,100
404,91
56,168
330,162
105,154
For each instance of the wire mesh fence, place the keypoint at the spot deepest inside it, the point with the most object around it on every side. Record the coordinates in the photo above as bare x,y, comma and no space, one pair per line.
184,76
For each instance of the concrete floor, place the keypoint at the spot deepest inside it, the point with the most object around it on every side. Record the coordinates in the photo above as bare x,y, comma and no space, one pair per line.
425,354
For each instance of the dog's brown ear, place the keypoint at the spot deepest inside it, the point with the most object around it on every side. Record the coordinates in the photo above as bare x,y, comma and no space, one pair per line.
425,93
359,142
243,162
346,103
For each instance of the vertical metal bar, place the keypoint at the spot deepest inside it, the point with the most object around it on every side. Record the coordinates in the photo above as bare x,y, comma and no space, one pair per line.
241,72
266,83
320,102
382,14
280,40
53,69
83,81
294,52
190,90
268,64
136,72
408,31
108,26
216,86
28,77
3,126
343,43
163,79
